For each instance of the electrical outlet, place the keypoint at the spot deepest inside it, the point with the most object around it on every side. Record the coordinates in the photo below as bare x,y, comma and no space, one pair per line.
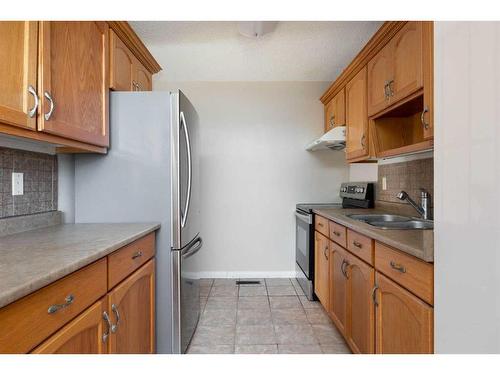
384,183
17,184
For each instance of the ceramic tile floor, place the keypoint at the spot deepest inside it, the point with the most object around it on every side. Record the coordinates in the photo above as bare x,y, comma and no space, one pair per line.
273,317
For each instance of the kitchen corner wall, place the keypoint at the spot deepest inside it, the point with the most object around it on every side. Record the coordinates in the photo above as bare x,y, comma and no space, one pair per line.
255,169
40,182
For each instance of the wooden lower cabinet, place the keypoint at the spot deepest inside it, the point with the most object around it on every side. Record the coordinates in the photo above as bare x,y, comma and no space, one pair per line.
360,313
404,323
132,307
338,286
83,335
321,269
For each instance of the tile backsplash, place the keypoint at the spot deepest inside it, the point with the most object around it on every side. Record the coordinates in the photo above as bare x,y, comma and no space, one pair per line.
409,176
40,182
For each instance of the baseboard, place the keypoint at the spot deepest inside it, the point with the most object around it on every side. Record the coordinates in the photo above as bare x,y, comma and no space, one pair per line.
246,274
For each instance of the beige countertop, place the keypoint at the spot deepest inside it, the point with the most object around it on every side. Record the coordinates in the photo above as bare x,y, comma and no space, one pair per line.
33,259
419,243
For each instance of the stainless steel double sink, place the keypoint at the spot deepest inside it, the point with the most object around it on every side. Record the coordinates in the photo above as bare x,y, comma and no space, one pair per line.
387,221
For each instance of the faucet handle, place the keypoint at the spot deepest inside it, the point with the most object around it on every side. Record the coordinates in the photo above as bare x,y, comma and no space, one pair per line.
424,193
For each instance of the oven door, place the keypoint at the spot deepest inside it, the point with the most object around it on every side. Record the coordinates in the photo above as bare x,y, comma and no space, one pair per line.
303,233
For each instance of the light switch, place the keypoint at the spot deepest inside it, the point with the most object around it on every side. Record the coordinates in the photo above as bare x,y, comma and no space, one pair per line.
17,184
384,183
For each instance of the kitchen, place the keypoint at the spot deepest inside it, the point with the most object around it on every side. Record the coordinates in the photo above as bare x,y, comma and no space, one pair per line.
247,207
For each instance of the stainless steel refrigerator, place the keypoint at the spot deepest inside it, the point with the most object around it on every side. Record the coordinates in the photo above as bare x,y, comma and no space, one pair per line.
151,174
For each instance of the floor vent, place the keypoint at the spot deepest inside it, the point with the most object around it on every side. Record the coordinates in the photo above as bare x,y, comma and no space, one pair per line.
249,282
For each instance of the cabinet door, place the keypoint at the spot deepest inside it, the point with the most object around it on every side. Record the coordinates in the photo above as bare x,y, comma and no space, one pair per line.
403,321
132,307
321,269
335,111
143,78
83,335
18,63
74,73
356,117
428,77
360,309
407,61
379,76
338,286
121,65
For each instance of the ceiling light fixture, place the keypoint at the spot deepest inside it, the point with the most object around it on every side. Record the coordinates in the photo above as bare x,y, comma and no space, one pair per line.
256,29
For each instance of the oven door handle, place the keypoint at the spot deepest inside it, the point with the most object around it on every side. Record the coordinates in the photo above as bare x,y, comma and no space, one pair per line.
303,217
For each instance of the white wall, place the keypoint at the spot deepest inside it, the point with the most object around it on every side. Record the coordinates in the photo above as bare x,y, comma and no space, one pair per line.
66,186
467,181
255,169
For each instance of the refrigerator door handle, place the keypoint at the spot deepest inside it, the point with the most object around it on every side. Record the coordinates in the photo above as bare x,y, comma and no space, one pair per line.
190,164
194,249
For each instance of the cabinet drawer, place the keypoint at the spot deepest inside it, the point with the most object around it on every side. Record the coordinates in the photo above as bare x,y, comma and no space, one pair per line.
414,274
360,245
29,321
321,224
129,258
338,233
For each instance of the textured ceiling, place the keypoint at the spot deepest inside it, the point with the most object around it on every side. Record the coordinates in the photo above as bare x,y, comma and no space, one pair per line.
215,51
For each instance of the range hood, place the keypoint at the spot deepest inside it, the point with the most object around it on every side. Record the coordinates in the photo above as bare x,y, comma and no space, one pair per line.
333,139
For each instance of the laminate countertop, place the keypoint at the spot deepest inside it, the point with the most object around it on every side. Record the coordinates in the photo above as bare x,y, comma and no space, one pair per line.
33,259
416,242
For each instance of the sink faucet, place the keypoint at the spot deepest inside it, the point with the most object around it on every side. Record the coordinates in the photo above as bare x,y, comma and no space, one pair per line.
424,208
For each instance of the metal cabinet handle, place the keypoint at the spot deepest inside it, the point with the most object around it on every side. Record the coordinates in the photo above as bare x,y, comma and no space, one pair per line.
343,268
67,301
362,141
336,233
398,267
386,86
422,118
32,91
137,254
357,244
106,334
325,252
52,106
114,327
134,85
321,224
374,296
389,85
332,120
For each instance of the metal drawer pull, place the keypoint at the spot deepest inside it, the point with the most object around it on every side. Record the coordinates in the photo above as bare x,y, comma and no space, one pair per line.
114,327
325,252
67,301
106,334
374,297
422,118
397,267
137,254
336,233
321,224
357,244
52,106
391,91
32,91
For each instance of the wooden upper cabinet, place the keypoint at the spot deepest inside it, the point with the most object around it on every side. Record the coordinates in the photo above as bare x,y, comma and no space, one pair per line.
321,269
74,80
83,335
360,316
121,64
338,286
18,65
126,71
404,323
356,117
379,76
396,71
335,111
142,77
428,78
407,61
132,308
